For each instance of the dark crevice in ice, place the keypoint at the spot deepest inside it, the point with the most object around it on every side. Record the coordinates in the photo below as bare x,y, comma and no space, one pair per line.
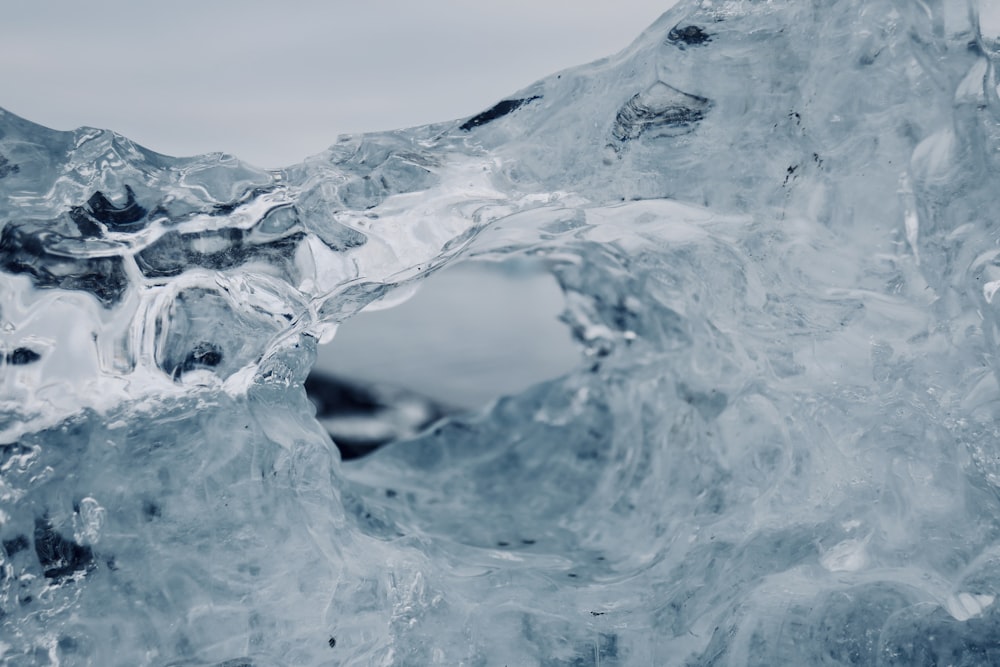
175,252
250,195
22,356
151,510
499,110
15,545
690,35
58,556
117,218
7,168
205,354
361,418
661,109
29,252
100,214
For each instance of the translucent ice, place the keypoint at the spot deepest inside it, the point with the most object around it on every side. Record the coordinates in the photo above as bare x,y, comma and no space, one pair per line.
772,223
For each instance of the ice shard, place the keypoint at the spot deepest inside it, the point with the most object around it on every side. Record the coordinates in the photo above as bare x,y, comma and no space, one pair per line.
773,226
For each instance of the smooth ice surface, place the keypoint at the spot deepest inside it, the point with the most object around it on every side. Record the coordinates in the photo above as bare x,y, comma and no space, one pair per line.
772,223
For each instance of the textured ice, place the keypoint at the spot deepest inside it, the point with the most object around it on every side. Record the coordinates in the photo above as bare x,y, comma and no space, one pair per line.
773,223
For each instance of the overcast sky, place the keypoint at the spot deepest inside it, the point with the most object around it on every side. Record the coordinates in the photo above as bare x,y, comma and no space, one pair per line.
274,82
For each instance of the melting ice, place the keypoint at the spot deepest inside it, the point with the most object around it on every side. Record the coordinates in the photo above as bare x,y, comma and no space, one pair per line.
772,223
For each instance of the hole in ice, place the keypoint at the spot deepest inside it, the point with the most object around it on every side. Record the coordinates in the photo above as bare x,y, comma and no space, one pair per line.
471,334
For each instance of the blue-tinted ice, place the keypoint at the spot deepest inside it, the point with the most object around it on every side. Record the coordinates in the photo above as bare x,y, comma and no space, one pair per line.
773,223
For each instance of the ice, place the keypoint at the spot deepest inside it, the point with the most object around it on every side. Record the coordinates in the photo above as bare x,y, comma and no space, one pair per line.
771,224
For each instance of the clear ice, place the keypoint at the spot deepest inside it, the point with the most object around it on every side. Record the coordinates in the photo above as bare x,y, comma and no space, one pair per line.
772,222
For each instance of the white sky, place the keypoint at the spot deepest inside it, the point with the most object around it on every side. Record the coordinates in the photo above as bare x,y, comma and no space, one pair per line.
274,82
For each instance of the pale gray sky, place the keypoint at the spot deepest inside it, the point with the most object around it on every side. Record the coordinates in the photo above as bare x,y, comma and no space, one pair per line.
275,82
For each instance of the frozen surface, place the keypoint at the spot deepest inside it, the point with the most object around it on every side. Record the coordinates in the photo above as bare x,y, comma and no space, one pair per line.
773,226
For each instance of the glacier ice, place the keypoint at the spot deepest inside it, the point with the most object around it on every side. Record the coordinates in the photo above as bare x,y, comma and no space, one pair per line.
772,226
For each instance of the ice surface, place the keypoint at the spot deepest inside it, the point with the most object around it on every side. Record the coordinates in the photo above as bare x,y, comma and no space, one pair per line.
773,226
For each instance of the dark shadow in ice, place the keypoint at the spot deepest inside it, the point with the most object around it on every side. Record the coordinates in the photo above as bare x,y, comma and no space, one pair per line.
498,110
7,168
204,355
928,635
15,545
100,210
58,556
117,218
22,356
662,110
174,252
28,251
689,35
362,417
